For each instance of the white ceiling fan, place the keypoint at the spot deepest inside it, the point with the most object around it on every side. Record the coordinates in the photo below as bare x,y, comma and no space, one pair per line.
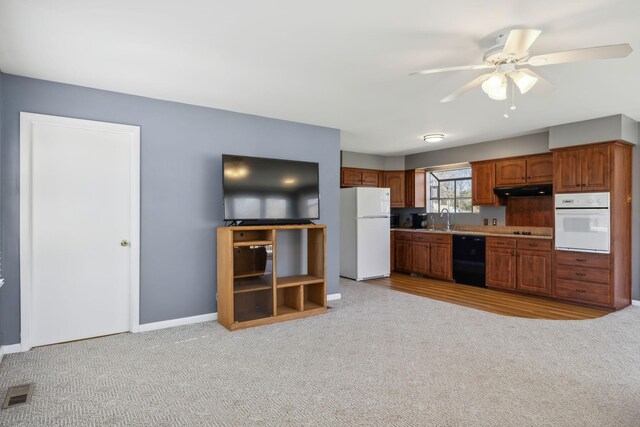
509,57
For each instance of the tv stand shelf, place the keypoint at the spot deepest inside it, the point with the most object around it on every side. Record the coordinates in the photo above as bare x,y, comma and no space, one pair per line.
249,291
304,279
252,243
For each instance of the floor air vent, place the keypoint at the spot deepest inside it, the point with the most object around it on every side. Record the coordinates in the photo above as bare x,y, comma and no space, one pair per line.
18,395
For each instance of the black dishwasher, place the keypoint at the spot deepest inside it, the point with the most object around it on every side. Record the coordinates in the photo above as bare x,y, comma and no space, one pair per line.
469,260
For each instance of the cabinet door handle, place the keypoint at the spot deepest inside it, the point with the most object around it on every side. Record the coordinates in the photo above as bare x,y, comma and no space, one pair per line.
580,274
582,291
581,260
533,245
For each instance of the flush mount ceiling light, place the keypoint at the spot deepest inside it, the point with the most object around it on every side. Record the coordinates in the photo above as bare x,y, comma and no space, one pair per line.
433,137
289,181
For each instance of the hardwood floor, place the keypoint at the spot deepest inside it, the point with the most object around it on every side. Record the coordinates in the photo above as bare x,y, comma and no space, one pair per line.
505,303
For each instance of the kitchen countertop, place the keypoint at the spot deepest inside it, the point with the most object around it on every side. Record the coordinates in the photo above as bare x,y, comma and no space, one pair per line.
473,233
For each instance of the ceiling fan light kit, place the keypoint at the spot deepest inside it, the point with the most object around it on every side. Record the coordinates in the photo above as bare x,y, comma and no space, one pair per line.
523,80
496,87
511,53
433,137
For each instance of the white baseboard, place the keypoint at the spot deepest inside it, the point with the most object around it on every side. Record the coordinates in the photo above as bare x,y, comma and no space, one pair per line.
9,349
635,302
178,322
331,297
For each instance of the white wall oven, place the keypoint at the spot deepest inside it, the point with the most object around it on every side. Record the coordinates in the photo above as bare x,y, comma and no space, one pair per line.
583,222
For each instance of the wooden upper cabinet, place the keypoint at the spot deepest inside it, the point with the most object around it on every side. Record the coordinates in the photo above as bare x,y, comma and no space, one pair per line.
350,177
536,169
511,172
540,169
354,177
595,168
394,180
415,186
567,165
482,183
585,168
370,178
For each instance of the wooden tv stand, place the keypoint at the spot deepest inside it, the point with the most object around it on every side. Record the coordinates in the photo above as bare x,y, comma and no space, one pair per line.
249,291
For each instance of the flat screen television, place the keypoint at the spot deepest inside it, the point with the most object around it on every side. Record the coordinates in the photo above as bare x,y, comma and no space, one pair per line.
261,190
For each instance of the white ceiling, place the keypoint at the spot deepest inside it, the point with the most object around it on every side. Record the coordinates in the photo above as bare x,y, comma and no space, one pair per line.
342,64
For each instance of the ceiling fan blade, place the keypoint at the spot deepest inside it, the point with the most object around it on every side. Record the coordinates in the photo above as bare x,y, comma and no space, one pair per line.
473,83
518,42
587,54
458,68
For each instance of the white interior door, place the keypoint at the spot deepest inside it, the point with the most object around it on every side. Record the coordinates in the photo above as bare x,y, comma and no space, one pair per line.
81,228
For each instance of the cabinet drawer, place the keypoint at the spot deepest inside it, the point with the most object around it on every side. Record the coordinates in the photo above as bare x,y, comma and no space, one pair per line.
403,235
582,259
432,238
583,274
420,237
584,292
501,242
534,244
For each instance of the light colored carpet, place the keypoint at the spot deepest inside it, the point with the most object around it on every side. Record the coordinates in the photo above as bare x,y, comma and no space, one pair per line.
379,357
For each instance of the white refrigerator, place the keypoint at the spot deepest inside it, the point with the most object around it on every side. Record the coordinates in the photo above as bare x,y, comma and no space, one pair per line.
364,233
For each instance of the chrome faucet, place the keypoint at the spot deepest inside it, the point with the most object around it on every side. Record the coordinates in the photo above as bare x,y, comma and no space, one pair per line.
442,214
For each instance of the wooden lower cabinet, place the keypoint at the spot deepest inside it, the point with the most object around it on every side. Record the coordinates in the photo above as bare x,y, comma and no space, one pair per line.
423,253
584,277
534,271
402,256
519,264
501,268
440,261
420,258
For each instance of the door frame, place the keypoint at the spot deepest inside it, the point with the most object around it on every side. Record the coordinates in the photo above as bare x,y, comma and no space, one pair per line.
27,121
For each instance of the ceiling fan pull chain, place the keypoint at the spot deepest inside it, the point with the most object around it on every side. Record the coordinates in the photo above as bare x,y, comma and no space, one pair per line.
513,95
506,115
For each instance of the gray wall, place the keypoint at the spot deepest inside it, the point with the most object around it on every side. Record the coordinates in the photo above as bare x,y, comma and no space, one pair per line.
1,215
520,146
181,191
596,130
350,159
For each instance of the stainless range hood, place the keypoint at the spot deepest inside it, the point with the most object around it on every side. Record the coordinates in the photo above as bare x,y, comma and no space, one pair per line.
539,190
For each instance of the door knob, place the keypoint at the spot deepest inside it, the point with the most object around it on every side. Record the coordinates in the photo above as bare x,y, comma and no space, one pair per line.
124,243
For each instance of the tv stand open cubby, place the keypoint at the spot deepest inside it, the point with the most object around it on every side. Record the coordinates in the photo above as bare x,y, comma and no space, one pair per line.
250,293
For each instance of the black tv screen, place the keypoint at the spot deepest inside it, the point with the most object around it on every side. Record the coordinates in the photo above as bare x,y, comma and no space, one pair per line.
262,189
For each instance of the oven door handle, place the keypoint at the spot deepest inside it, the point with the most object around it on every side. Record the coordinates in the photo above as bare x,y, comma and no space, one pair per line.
583,212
